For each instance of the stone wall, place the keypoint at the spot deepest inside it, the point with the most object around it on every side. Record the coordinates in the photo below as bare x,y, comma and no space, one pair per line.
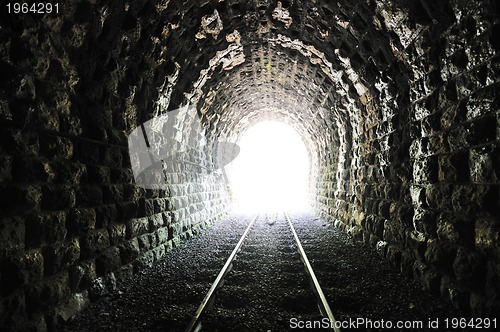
397,102
454,155
73,222
425,165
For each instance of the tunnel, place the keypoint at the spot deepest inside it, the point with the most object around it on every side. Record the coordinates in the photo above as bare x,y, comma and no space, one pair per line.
396,103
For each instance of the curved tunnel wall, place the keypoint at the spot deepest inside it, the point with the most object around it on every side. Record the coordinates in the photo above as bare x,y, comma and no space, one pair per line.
397,101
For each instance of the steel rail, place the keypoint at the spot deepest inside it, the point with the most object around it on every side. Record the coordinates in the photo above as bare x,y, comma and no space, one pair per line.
195,323
323,303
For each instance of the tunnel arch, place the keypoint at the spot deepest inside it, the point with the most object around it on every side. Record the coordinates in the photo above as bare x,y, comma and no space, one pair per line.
262,86
397,100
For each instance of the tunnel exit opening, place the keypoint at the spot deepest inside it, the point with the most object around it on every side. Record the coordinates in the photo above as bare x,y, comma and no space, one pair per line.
272,171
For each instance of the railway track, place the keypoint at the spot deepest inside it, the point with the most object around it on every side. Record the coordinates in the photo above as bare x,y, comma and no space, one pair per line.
288,281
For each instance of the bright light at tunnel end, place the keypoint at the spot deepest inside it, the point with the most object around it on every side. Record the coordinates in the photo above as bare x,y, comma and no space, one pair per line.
271,172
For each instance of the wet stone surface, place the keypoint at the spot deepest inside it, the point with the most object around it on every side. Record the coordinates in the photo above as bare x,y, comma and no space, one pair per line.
267,285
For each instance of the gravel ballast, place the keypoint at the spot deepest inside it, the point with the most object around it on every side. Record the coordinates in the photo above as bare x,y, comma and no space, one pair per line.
267,289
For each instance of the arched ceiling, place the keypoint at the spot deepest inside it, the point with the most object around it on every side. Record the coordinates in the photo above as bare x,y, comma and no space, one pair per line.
312,64
315,64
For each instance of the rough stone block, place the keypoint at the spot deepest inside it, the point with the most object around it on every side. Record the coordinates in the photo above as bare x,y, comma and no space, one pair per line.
162,234
186,235
112,193
94,242
437,144
12,236
470,269
153,240
45,228
449,116
58,197
394,233
418,195
88,196
146,207
38,322
393,255
49,292
117,233
416,243
448,227
13,311
144,244
76,303
419,111
6,168
97,174
132,192
19,200
457,138
120,175
430,124
155,221
21,270
480,103
493,279
381,248
377,227
88,151
441,255
461,198
481,131
129,251
124,272
161,205
429,279
487,236
136,227
82,275
20,142
457,170
405,214
174,230
105,215
80,221
102,286
383,209
71,173
127,210
71,124
180,215
159,252
28,170
481,166
425,170
58,257
56,147
113,156
176,241
457,295
144,261
437,196
424,221
108,261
